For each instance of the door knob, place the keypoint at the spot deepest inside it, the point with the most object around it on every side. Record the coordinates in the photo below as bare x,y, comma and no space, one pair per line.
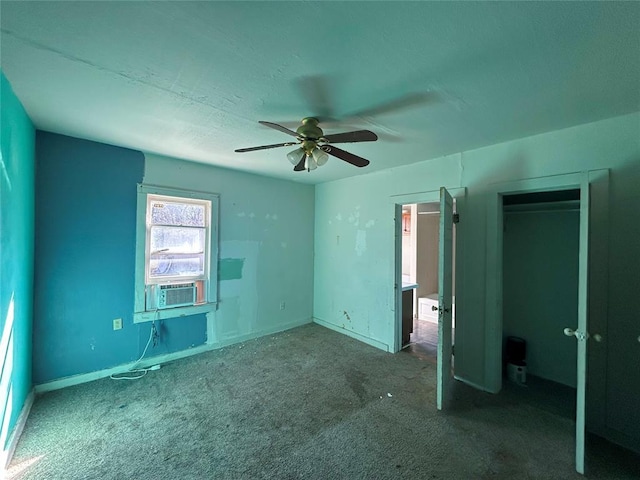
436,309
575,333
581,336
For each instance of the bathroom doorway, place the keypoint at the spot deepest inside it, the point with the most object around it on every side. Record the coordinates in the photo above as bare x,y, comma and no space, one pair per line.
420,237
405,307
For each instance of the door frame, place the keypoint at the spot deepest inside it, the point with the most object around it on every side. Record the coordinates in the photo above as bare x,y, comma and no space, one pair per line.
397,201
593,293
493,295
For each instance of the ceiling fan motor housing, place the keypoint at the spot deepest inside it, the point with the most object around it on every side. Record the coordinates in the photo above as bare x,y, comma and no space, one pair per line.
310,129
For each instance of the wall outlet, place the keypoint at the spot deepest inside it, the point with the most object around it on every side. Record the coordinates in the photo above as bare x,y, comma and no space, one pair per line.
282,305
117,323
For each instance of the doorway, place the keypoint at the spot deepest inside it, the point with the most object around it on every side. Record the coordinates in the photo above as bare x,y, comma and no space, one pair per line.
540,250
404,305
420,269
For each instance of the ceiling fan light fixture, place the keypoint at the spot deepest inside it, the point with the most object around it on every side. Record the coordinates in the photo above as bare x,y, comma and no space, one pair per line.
320,156
310,163
295,156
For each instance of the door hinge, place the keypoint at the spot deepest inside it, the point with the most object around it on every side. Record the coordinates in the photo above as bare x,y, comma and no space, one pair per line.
453,349
456,218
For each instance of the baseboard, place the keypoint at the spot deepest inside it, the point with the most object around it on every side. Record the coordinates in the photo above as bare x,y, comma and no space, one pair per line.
147,362
7,453
621,439
260,333
160,359
349,333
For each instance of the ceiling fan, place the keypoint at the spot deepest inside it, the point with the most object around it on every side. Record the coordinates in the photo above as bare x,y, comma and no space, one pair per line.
314,147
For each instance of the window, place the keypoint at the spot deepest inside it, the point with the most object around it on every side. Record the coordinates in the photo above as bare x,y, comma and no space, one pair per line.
176,253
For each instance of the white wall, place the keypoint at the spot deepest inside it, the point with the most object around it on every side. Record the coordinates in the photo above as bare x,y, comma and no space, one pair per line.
407,249
269,224
354,247
354,244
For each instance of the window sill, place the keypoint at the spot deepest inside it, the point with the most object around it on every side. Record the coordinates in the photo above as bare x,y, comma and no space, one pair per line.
141,317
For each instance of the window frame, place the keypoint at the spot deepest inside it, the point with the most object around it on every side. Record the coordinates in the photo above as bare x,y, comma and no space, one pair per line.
153,198
140,312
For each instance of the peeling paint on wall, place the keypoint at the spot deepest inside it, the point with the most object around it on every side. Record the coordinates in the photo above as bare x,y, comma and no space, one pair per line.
353,217
230,268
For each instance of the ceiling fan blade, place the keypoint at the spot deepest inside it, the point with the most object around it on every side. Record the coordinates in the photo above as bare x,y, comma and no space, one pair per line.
350,137
346,156
316,91
407,101
279,127
264,147
300,166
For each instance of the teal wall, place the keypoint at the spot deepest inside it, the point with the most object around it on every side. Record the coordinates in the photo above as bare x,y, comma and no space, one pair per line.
354,245
266,247
540,292
85,260
16,256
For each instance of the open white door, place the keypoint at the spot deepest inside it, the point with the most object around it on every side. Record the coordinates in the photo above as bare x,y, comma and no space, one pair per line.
581,333
445,267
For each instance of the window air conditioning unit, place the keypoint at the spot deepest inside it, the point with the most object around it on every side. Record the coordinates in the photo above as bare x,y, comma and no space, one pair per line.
176,295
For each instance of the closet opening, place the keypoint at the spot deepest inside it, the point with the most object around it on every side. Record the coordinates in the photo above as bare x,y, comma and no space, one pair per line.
540,253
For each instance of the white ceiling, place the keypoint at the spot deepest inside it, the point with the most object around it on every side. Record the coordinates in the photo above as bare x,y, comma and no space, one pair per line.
192,79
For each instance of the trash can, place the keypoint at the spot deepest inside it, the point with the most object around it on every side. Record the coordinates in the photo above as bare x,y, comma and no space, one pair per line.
517,373
515,356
